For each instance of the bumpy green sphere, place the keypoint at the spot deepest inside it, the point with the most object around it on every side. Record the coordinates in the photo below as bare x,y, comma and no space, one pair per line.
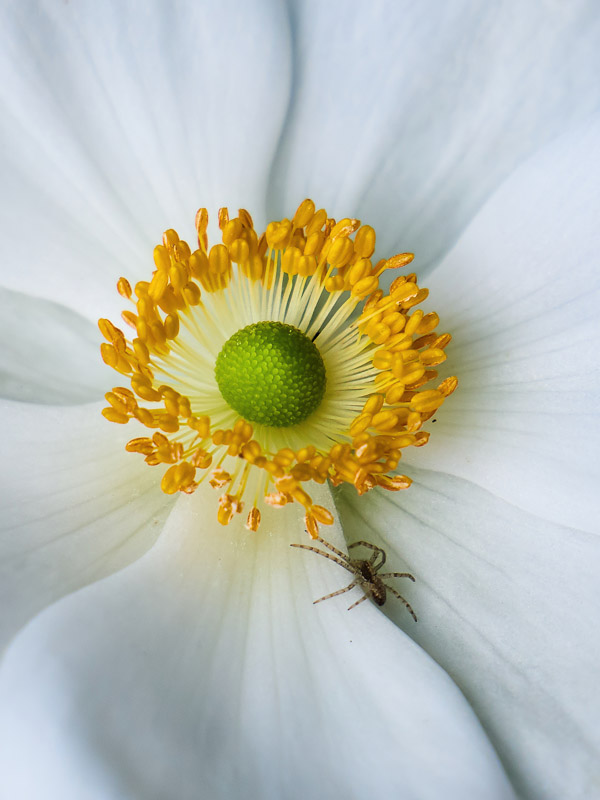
271,373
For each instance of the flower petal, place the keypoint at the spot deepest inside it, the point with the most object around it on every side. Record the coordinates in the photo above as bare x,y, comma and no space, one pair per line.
205,670
409,115
504,601
120,120
75,506
48,353
520,293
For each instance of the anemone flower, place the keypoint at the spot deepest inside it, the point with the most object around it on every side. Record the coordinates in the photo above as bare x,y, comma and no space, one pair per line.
151,651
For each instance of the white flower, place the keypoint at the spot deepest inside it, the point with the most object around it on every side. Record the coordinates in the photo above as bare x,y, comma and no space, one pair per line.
168,658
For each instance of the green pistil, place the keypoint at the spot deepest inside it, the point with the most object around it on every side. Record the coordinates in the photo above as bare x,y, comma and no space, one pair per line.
271,373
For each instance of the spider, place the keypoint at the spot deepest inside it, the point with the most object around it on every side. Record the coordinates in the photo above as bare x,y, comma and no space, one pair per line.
366,573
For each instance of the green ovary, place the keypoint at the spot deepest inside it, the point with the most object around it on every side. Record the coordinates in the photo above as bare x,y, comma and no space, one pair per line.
271,373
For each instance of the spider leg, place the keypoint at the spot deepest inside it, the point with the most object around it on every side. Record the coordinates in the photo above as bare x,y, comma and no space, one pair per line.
334,594
364,597
397,575
376,551
333,549
339,561
403,600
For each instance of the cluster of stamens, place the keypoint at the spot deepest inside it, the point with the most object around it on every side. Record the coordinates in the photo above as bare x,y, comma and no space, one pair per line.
317,276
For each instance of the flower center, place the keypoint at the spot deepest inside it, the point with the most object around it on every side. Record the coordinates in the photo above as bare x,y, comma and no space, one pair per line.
271,373
273,361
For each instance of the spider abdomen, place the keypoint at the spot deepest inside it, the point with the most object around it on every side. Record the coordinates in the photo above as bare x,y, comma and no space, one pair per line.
371,582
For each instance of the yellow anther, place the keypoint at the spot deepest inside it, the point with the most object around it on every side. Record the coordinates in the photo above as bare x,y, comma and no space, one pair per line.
447,386
305,453
243,429
430,400
312,526
246,219
278,233
361,269
118,403
141,351
115,416
364,242
276,499
145,417
232,230
394,393
171,326
110,333
302,472
284,457
158,284
403,292
177,477
219,260
316,224
379,333
181,250
432,357
162,259
201,425
393,484
141,288
178,278
383,359
198,264
130,318
364,287
399,261
443,341
201,223
201,459
140,445
239,251
191,293
219,478
335,284
304,213
314,243
384,421
290,260
223,217
169,302
417,298
360,424
109,355
124,288
412,372
170,237
253,520
373,404
251,451
414,321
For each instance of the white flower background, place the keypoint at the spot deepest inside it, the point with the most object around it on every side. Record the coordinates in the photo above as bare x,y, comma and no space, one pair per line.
152,654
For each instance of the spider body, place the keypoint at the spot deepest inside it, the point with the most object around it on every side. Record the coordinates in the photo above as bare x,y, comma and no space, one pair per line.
370,581
365,571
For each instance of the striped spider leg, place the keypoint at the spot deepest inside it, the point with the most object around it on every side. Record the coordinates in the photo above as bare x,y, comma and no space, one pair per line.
365,572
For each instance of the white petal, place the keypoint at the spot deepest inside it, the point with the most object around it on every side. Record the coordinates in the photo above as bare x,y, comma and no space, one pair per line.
204,670
520,293
506,603
75,506
48,353
120,120
408,115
